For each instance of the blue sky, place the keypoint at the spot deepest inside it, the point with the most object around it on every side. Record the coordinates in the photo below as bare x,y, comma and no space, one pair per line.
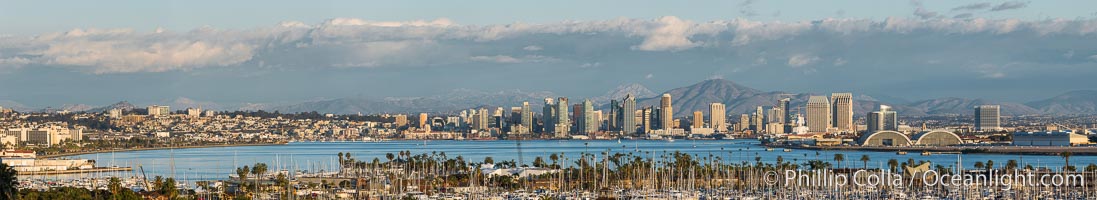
236,52
35,17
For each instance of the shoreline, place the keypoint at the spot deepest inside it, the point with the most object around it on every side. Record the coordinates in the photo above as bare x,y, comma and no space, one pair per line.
1003,150
154,148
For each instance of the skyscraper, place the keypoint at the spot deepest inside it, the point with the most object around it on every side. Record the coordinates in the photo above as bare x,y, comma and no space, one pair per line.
744,122
717,112
775,115
666,113
401,120
842,111
628,115
562,122
988,118
645,119
479,118
587,123
612,123
527,118
786,113
548,116
698,119
883,120
818,114
423,124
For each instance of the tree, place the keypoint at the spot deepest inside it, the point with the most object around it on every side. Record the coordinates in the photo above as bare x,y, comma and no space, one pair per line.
979,164
990,165
892,163
168,188
554,158
8,181
838,158
1066,157
864,160
538,162
1091,167
489,160
115,185
259,170
242,173
1011,164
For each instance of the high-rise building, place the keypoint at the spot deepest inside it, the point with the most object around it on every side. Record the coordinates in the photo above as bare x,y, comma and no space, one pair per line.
562,122
194,112
548,116
587,124
645,118
744,122
717,112
115,113
883,120
842,111
527,118
818,114
612,123
786,112
498,118
988,118
775,115
155,110
423,122
628,115
483,116
598,120
666,113
698,119
401,120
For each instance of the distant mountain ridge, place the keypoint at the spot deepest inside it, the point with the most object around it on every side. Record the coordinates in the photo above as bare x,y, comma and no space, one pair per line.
618,93
697,97
1073,102
741,99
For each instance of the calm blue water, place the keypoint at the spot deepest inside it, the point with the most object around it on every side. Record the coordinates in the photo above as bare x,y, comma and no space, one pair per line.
219,162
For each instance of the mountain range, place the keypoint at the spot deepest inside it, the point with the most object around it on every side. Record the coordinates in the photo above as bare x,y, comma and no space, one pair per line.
737,98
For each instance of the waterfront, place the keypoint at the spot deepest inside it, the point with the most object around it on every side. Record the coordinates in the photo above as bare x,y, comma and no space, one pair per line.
216,163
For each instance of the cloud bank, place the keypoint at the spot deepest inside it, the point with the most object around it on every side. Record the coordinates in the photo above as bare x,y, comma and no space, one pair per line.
360,43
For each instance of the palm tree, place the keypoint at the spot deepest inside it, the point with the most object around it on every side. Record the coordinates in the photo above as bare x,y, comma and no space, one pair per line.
1011,164
892,163
259,169
864,160
554,158
8,181
838,158
979,164
1066,157
990,165
242,173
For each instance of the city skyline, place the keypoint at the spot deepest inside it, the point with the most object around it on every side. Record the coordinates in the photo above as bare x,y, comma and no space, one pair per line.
972,49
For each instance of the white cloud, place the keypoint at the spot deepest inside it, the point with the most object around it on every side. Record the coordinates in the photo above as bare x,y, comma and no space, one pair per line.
669,33
532,48
349,42
1093,57
589,65
649,76
801,60
511,60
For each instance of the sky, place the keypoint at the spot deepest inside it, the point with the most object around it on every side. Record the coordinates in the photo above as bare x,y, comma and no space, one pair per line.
233,52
